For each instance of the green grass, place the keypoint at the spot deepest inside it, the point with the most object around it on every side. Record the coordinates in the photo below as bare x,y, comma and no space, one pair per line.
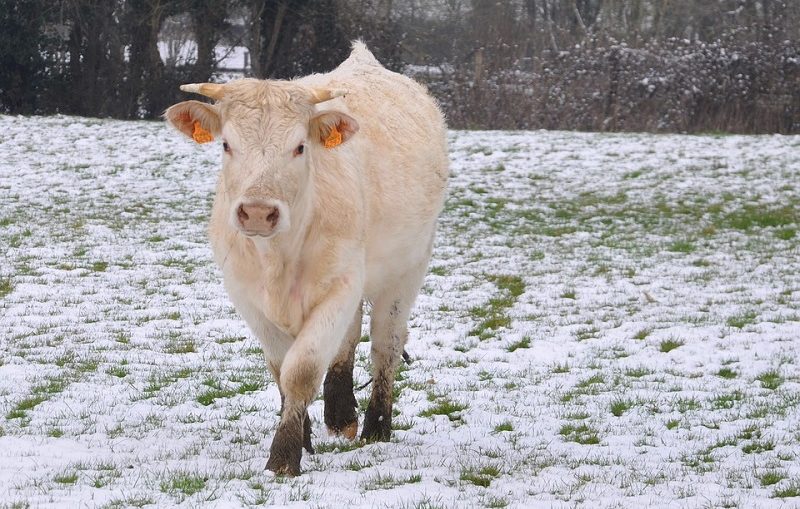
180,346
727,373
560,368
681,246
505,426
741,320
65,478
749,217
790,491
482,477
597,378
684,405
357,465
637,372
184,483
770,380
445,407
493,320
726,401
339,445
217,391
21,408
388,481
758,446
439,271
771,477
493,315
522,343
620,406
669,345
99,266
582,434
51,385
117,371
6,286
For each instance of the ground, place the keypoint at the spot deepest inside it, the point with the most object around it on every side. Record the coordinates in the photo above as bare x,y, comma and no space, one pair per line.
610,320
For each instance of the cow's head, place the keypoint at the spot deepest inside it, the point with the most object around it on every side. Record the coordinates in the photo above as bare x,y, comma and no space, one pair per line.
271,132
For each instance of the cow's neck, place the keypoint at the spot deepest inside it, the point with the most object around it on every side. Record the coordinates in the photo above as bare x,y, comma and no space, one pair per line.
282,256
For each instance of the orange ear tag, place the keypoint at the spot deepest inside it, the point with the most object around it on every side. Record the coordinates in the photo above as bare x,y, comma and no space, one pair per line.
200,135
334,139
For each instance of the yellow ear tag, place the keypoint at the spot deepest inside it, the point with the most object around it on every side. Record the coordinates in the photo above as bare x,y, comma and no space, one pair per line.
334,139
200,135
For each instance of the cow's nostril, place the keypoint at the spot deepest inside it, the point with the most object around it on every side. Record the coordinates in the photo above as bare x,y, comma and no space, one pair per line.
273,216
241,214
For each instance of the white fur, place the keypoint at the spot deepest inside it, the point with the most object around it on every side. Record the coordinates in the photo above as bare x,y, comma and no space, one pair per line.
362,215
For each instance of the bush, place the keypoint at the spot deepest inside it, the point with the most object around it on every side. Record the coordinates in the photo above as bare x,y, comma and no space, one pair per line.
671,86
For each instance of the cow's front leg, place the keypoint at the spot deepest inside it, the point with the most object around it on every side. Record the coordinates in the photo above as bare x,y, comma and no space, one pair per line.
303,367
340,402
287,445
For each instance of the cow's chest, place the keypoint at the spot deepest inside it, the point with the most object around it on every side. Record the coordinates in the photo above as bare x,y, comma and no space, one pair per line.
277,293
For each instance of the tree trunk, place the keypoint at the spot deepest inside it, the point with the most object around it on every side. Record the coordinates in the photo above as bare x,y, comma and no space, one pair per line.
208,20
268,56
145,68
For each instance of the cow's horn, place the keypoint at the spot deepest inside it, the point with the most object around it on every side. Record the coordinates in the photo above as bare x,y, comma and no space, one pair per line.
213,90
320,95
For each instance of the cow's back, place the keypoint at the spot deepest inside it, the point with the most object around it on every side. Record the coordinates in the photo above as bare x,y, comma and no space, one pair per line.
402,152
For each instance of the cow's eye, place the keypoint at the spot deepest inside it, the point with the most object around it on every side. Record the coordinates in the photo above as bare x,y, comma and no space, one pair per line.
226,147
299,150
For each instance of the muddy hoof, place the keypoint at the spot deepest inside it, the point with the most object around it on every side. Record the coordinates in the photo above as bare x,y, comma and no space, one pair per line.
348,431
286,450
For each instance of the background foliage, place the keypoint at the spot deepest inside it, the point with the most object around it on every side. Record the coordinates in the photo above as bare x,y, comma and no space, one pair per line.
655,65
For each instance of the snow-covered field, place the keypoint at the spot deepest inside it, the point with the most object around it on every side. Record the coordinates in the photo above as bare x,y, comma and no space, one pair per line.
610,320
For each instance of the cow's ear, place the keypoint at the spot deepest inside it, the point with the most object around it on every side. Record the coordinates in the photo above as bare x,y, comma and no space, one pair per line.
197,120
332,128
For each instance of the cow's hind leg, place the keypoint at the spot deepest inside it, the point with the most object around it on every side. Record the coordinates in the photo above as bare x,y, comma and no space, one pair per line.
340,402
388,334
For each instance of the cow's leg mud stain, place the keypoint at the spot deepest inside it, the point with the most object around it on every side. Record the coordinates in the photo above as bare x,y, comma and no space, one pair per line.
340,402
287,445
341,417
307,434
378,419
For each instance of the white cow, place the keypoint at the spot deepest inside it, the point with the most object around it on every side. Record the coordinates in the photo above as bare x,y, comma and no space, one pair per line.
329,194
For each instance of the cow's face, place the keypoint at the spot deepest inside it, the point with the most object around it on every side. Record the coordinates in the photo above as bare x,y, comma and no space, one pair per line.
271,134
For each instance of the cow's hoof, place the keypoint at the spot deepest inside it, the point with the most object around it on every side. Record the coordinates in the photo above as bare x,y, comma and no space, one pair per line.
288,464
286,450
377,428
348,431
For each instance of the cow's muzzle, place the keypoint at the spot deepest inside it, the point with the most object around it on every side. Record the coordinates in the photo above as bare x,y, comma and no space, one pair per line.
261,218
